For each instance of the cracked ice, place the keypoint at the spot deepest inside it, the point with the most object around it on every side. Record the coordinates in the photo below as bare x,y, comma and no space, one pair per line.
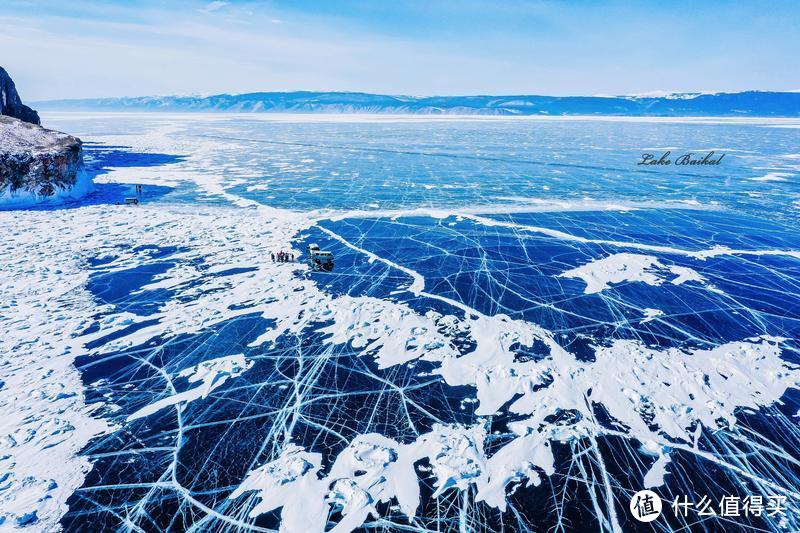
477,359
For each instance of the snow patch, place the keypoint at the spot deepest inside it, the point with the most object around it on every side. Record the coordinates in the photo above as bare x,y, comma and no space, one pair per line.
211,375
651,314
600,274
773,176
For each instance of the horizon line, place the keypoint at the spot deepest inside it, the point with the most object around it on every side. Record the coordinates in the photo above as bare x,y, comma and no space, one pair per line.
644,95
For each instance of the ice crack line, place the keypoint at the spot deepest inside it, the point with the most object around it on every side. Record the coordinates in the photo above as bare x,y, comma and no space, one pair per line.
699,254
417,285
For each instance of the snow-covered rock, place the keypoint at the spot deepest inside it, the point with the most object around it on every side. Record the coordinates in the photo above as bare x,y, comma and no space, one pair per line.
37,164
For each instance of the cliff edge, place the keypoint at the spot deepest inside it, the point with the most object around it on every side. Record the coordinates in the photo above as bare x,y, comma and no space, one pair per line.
38,164
10,103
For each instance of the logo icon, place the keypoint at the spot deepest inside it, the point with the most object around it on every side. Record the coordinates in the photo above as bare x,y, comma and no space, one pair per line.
645,506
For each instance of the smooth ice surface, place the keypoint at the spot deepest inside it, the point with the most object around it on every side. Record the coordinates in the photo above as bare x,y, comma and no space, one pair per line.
521,328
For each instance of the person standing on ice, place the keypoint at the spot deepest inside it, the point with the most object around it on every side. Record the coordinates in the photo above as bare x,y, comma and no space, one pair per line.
272,254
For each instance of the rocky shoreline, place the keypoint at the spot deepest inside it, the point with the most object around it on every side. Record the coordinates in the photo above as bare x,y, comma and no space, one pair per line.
36,164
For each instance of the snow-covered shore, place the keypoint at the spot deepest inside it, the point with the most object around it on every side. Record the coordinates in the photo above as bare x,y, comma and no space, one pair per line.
39,166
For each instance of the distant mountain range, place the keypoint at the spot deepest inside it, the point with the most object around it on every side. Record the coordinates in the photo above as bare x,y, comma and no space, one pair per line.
750,103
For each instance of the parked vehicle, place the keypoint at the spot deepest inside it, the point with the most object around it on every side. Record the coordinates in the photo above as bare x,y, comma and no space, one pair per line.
319,259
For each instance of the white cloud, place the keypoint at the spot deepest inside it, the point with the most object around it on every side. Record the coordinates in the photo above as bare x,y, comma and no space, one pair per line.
214,6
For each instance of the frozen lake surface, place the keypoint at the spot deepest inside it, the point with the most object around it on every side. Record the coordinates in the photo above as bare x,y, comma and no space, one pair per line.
523,327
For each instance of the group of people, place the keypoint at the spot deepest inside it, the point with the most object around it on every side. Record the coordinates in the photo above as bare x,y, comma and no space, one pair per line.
282,257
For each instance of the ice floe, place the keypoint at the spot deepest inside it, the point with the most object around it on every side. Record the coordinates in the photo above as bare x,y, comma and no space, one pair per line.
659,397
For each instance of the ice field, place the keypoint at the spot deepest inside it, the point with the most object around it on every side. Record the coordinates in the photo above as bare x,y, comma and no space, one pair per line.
523,328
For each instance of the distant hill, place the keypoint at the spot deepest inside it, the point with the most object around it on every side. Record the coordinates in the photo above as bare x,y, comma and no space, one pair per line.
750,103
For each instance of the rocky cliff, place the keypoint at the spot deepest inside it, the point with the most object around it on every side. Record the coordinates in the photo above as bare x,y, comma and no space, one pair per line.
10,103
38,164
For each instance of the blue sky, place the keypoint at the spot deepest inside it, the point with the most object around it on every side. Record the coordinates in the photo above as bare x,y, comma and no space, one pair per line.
81,48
